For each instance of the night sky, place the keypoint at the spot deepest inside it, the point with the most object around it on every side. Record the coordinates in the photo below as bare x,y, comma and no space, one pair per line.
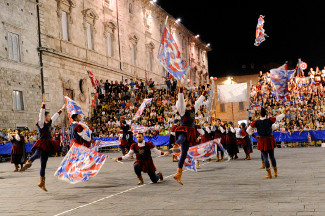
295,31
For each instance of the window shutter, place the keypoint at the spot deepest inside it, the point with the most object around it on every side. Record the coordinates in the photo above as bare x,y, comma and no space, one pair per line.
15,40
10,43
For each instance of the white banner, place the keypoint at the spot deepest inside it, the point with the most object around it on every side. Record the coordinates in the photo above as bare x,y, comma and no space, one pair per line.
232,93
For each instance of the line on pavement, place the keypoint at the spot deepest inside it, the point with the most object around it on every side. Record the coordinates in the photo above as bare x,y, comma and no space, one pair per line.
110,196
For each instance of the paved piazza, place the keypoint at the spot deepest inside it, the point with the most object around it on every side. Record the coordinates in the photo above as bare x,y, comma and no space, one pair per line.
224,188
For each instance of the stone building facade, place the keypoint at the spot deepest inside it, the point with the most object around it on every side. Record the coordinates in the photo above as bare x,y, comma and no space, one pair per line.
20,80
114,39
233,111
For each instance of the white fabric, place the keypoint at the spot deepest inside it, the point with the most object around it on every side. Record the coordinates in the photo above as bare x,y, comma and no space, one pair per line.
131,152
198,103
201,131
180,104
232,93
41,118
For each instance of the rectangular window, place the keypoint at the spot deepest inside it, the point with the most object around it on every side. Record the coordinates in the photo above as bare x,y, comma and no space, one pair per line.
109,45
14,47
89,36
222,108
241,106
133,52
64,20
18,100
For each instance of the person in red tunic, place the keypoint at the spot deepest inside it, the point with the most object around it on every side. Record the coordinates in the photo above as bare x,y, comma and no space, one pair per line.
266,142
218,131
231,141
78,132
44,146
207,133
18,151
244,141
144,162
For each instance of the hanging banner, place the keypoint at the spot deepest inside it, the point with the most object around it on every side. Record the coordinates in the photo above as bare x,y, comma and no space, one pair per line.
232,93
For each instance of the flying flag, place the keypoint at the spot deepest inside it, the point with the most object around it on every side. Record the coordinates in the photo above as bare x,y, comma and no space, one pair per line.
139,129
80,164
73,108
100,143
141,108
260,32
203,151
170,56
301,66
280,77
94,81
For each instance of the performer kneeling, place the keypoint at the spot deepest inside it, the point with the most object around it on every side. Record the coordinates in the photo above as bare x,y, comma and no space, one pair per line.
44,146
144,161
266,142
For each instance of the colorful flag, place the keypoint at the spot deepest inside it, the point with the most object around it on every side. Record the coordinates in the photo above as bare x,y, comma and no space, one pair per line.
141,108
203,151
139,129
260,32
280,77
100,143
94,81
80,164
170,56
73,108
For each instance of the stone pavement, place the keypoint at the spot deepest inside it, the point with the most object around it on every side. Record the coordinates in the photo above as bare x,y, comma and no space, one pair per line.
226,188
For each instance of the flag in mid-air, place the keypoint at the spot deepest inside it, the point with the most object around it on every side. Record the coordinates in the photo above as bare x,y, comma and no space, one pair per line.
260,32
170,56
80,164
94,81
201,152
280,77
100,143
139,129
141,108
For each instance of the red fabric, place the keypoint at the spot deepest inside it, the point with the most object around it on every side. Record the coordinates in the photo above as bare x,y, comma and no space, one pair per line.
243,133
242,142
17,146
265,144
86,144
124,143
79,128
253,124
205,138
146,162
47,145
190,134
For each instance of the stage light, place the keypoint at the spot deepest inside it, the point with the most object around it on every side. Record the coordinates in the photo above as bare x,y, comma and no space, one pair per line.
178,20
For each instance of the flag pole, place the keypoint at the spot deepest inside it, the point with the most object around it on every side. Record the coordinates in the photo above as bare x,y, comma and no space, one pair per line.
166,21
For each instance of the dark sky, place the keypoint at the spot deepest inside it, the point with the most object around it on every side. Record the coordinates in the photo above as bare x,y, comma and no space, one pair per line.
294,31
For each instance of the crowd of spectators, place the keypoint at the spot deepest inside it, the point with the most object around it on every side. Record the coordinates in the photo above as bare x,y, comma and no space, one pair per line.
305,107
119,101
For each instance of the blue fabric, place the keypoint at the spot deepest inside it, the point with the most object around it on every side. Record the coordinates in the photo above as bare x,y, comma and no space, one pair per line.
6,148
295,137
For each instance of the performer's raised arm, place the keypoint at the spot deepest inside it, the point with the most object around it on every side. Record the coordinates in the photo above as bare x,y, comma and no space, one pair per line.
57,114
41,116
199,101
180,104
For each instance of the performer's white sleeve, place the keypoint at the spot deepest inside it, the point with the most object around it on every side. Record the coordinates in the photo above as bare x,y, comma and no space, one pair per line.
208,130
172,133
17,137
201,131
222,130
232,129
41,118
155,151
250,130
280,117
275,126
10,137
214,128
198,103
55,117
128,155
180,104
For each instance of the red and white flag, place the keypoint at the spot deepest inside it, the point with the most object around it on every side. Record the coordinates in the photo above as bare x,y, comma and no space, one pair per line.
94,81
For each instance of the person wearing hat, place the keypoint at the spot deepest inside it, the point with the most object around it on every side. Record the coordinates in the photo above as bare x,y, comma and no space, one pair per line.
172,144
186,133
266,142
218,131
231,141
244,141
44,146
